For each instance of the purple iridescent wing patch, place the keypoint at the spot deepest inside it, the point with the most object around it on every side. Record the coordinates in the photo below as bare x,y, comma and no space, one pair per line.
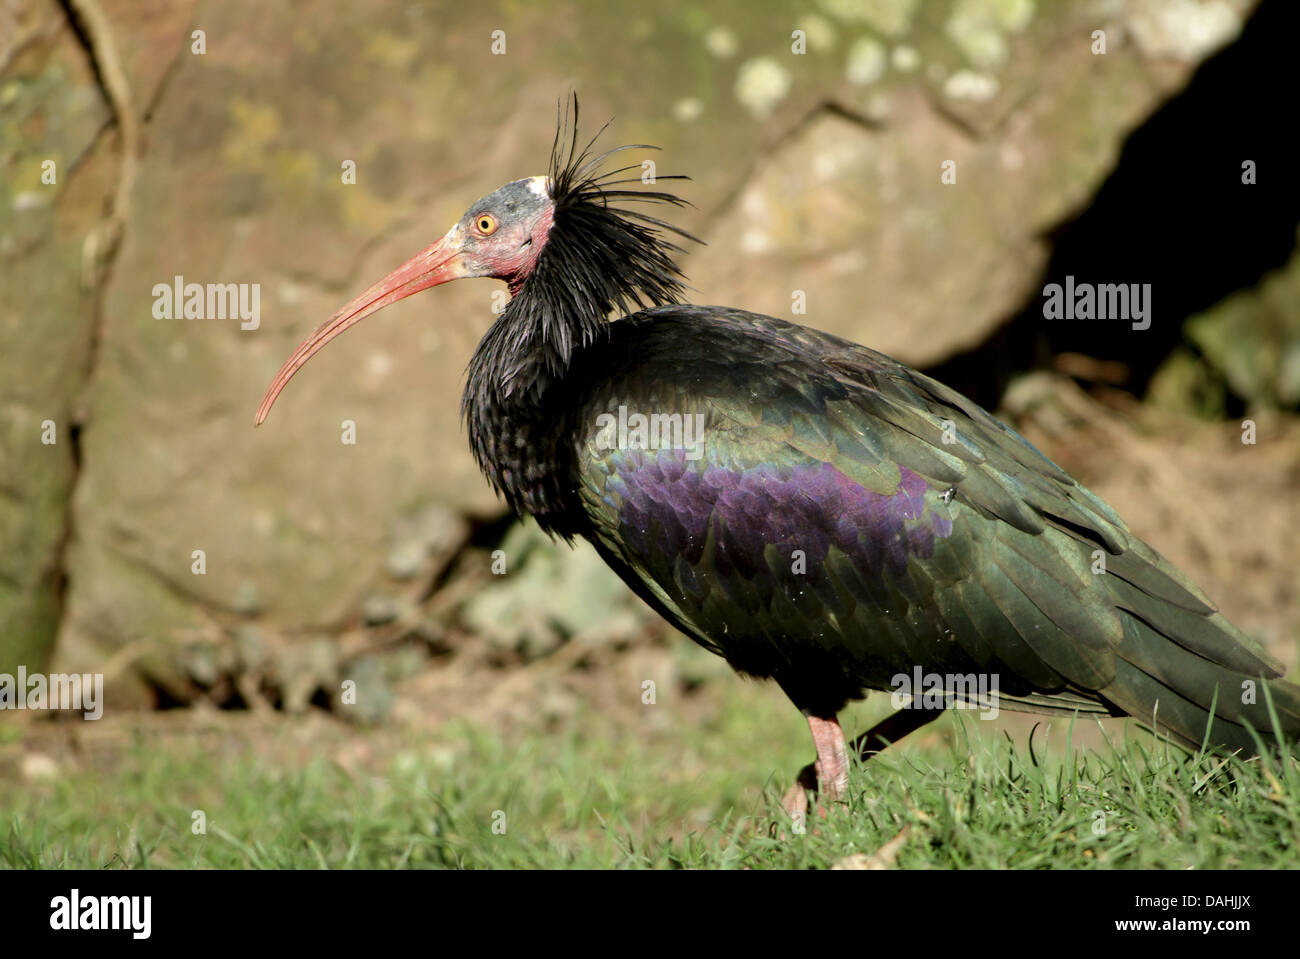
672,506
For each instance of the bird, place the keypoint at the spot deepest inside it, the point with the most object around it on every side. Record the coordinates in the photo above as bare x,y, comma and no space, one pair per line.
811,510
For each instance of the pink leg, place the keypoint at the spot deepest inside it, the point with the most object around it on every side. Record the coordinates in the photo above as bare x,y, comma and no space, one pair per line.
830,774
832,757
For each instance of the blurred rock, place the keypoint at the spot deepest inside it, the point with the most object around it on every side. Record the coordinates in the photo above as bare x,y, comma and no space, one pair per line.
379,609
248,599
253,649
845,224
405,560
374,692
550,593
1185,29
431,534
51,113
1185,383
1252,340
306,666
37,768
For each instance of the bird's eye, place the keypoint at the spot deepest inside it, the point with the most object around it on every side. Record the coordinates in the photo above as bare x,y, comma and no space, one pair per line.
486,224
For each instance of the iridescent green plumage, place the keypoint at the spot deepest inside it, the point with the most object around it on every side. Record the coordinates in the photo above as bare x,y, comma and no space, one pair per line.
1033,578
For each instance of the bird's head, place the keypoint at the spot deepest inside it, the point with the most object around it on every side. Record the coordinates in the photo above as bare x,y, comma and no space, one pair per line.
500,236
556,235
504,233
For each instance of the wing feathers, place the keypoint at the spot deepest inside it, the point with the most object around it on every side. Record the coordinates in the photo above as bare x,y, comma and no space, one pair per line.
936,536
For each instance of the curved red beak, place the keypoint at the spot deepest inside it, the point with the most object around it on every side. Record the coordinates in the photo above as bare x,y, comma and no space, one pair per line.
436,264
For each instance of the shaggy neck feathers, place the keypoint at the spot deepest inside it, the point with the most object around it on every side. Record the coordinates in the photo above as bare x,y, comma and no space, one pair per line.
598,259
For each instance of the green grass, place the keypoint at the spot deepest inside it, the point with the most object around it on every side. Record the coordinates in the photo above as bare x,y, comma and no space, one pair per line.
659,792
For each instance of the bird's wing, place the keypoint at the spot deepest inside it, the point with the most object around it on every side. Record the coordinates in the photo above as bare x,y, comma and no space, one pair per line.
844,512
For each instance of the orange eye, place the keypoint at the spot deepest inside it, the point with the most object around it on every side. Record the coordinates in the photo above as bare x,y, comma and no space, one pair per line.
486,224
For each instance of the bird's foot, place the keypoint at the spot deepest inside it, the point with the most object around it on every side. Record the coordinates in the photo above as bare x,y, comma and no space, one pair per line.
827,778
797,805
795,801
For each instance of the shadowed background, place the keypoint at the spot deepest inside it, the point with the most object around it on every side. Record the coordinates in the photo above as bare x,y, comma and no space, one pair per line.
219,156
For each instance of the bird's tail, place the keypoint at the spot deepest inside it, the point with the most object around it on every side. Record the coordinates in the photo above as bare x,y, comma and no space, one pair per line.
1182,665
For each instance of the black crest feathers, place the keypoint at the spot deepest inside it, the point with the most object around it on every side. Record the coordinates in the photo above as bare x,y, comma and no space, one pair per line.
600,258
613,257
